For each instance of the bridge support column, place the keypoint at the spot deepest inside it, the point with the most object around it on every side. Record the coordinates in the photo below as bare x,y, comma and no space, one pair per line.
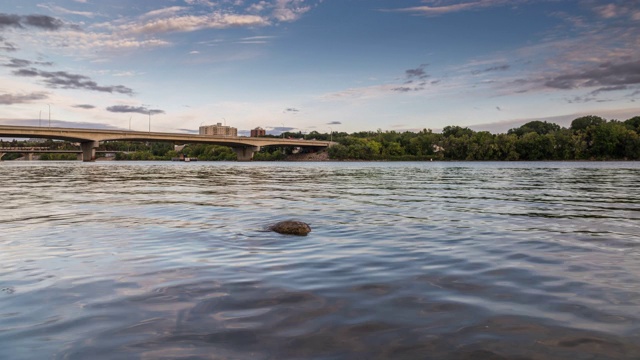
89,150
245,153
29,156
1,155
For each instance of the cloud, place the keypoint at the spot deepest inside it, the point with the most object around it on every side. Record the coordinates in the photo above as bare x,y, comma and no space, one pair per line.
134,109
6,45
61,10
606,75
84,106
493,68
334,123
65,80
625,8
415,76
42,21
164,12
188,23
291,110
436,7
289,10
20,63
10,99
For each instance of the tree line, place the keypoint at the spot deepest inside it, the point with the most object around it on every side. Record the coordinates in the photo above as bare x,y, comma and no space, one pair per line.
588,138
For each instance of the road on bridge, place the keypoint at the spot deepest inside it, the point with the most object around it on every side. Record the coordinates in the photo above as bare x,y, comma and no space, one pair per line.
90,139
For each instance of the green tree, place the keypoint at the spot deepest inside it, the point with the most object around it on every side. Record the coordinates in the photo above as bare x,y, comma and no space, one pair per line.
539,127
582,123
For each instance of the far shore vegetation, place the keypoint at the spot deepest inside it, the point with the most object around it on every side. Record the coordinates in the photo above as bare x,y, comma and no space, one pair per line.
588,138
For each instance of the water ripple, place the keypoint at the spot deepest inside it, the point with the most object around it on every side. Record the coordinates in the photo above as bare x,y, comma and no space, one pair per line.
405,260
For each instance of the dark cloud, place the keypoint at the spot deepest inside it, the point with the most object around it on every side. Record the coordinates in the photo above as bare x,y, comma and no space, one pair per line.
10,99
134,109
9,20
279,130
191,131
605,75
65,80
6,45
415,76
493,68
498,108
43,22
609,88
38,21
405,89
84,106
18,63
334,123
417,73
293,110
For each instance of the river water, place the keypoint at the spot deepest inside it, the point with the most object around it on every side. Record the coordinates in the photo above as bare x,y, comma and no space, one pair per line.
139,260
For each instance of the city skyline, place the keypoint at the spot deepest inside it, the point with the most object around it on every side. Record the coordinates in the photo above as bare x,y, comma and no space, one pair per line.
317,65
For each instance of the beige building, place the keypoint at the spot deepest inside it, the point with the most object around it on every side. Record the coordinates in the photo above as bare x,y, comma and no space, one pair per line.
218,130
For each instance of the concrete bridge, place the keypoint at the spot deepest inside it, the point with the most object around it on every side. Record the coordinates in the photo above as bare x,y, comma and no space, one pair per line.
90,139
29,151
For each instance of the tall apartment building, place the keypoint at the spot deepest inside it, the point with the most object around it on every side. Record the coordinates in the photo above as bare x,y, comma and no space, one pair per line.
257,132
218,130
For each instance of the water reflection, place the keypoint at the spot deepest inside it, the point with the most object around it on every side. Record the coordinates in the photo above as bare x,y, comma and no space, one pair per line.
453,260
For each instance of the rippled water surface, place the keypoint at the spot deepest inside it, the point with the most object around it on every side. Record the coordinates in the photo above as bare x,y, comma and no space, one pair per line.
405,261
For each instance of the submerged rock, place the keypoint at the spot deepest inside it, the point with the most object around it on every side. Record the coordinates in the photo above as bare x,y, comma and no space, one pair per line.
290,227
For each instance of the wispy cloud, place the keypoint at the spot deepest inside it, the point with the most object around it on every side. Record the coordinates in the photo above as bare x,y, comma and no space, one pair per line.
334,123
291,110
492,68
65,80
134,109
188,23
438,7
289,10
10,99
60,10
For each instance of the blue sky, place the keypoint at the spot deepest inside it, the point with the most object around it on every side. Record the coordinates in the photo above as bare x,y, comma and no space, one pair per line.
344,65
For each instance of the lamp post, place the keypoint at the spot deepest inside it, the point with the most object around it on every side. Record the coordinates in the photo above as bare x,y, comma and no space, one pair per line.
331,134
49,105
130,122
283,130
40,119
149,120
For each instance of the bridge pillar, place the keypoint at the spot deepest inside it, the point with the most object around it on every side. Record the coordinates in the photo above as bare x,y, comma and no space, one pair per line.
1,155
29,156
89,150
245,153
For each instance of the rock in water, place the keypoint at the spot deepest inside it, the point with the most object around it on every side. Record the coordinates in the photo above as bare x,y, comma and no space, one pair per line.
291,228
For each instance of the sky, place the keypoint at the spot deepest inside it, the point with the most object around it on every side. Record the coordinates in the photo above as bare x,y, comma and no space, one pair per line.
317,65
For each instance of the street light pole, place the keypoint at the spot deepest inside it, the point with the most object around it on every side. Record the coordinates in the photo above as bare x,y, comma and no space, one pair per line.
130,122
149,120
331,135
283,130
49,105
40,119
